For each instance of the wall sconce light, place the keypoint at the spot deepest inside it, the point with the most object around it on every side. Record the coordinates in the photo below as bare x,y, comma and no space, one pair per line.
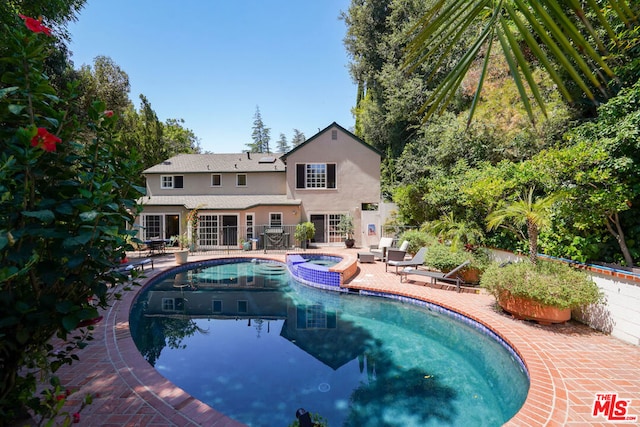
294,212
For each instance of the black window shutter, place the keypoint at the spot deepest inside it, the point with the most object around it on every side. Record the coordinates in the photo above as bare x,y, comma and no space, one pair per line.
178,181
300,174
331,175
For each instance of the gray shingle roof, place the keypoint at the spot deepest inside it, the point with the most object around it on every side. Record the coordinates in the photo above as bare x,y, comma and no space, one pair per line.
227,202
241,162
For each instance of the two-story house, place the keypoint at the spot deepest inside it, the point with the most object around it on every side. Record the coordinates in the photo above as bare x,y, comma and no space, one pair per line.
237,196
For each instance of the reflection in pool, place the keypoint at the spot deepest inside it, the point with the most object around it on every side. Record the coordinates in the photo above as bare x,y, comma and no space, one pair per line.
257,347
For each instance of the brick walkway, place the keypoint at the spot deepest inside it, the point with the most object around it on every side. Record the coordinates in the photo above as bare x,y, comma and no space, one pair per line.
568,364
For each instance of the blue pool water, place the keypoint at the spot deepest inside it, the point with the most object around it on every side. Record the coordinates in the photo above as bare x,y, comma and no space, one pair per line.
255,345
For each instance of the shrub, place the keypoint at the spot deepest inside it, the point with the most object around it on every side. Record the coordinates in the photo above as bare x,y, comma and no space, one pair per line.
417,239
548,283
63,220
441,257
304,232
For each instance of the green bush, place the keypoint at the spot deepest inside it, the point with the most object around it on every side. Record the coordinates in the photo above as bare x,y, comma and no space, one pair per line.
67,196
441,257
304,232
416,239
548,283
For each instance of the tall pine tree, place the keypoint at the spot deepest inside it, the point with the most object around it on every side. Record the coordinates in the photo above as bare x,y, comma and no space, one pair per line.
260,135
283,145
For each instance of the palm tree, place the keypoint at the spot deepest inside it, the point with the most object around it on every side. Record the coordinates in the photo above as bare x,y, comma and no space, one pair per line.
558,33
534,214
458,232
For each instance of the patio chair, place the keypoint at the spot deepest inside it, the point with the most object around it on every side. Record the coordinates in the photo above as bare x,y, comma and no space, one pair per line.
394,259
380,250
451,276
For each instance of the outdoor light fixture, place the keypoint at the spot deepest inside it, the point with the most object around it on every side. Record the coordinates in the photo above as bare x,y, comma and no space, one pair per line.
304,418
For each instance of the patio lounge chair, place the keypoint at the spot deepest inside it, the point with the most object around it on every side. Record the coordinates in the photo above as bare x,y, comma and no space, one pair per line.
135,265
395,260
451,276
380,250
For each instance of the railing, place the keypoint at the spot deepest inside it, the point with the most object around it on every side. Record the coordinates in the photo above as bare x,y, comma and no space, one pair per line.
261,238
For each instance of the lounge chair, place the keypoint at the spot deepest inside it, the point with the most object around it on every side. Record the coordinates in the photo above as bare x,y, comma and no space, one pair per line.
451,276
380,250
394,259
135,265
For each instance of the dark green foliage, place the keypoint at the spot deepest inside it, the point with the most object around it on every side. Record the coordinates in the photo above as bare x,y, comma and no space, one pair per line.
63,220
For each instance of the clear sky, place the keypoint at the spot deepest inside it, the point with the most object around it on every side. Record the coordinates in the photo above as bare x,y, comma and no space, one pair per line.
212,62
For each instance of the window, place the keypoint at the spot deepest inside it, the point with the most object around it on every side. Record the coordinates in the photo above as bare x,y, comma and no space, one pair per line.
217,306
168,304
275,219
171,181
241,180
208,230
334,234
249,224
152,227
216,180
243,306
316,175
334,134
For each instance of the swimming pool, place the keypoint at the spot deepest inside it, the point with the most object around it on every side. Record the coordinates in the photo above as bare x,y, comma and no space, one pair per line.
259,346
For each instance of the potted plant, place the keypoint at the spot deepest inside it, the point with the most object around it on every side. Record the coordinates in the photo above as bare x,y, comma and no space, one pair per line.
183,253
245,245
304,232
546,291
346,227
536,290
445,258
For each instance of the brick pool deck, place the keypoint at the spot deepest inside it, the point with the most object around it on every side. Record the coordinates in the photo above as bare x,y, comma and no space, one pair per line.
568,364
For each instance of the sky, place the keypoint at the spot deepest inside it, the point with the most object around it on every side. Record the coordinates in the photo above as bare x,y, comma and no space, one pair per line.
213,62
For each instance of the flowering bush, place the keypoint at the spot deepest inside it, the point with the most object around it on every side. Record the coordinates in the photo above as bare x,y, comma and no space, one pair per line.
65,204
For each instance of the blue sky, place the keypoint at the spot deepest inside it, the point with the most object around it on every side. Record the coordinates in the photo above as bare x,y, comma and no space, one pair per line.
211,62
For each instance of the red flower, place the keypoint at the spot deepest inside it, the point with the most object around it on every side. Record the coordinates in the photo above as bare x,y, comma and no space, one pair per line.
76,417
35,25
108,113
60,397
45,140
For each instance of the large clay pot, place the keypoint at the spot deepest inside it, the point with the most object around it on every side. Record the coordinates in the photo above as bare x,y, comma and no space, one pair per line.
181,256
471,275
524,308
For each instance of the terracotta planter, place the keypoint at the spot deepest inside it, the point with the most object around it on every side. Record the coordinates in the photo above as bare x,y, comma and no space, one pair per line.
524,308
471,275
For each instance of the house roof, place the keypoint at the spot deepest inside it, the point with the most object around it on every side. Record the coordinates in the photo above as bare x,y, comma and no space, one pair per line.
225,202
334,124
239,162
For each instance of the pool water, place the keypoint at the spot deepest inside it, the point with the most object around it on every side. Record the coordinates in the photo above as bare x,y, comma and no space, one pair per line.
257,347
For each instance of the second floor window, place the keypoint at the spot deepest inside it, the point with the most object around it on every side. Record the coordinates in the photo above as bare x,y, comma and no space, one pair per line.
171,181
316,175
216,180
241,180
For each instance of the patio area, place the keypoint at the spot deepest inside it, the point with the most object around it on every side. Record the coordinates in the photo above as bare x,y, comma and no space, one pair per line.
568,364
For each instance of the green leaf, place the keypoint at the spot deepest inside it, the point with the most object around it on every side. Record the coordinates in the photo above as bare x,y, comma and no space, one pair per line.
89,216
69,322
79,240
8,90
64,307
46,215
85,193
16,109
